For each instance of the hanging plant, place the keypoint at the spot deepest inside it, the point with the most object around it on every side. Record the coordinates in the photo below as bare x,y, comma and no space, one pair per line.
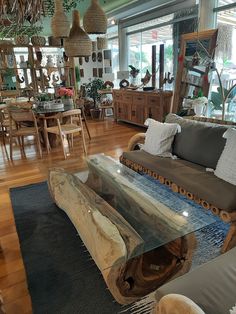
67,4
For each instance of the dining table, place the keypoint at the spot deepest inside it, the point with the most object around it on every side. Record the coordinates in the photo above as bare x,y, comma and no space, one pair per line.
43,111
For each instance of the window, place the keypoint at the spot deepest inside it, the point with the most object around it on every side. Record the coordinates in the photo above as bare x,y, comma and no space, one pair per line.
225,58
162,30
113,44
140,49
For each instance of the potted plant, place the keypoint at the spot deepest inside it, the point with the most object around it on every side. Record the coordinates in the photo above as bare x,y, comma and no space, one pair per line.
91,90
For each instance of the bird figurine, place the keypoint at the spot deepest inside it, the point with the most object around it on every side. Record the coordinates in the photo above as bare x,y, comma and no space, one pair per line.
145,80
134,71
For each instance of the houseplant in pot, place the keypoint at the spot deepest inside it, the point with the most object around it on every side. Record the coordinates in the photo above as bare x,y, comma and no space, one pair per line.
91,90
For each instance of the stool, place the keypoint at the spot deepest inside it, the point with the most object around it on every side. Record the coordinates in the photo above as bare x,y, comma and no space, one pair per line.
103,112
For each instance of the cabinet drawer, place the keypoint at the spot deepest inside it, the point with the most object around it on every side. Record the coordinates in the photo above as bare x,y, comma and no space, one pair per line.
127,98
117,96
153,100
139,100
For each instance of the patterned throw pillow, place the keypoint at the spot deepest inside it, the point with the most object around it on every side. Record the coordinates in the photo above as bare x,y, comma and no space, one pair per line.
226,166
159,138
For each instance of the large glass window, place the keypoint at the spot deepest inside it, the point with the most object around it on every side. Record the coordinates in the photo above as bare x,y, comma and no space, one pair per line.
225,58
140,49
113,44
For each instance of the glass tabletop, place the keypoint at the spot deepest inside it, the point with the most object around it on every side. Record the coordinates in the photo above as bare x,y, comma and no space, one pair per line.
154,213
41,110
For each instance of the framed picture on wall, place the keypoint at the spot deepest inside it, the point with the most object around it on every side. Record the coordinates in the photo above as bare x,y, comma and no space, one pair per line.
95,72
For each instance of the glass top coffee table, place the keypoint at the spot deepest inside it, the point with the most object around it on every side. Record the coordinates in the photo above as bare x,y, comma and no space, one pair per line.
139,233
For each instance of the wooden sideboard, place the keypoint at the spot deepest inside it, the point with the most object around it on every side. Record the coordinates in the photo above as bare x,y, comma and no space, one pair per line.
136,106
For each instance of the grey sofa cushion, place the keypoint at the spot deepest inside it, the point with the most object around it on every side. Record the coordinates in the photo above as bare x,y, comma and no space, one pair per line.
199,142
190,176
212,286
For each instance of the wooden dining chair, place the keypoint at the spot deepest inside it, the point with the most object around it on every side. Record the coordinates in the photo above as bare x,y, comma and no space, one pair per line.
4,126
23,123
79,103
65,127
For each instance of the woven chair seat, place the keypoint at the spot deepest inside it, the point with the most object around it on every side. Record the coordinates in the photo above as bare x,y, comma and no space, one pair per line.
65,129
24,131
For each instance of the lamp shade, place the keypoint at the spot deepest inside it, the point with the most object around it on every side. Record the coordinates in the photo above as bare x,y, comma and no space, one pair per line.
78,44
95,20
60,25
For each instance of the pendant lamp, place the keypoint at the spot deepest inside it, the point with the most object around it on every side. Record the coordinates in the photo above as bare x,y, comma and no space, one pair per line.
60,24
78,44
95,20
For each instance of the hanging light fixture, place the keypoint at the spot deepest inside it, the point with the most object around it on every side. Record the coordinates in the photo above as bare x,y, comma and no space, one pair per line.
78,44
60,24
95,20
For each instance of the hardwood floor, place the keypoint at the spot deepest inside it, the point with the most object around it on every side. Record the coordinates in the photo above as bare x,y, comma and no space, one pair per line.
107,137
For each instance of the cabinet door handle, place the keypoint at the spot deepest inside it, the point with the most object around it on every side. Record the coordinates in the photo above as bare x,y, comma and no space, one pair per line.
133,113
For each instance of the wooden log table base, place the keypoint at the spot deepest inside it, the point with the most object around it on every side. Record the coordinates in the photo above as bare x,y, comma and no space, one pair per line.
112,242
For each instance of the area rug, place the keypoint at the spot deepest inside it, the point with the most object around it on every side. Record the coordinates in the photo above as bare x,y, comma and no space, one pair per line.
62,277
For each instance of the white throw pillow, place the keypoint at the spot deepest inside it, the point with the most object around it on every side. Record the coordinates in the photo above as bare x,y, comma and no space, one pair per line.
159,138
226,166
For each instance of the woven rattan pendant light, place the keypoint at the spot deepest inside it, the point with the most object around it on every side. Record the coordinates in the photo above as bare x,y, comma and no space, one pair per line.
60,24
78,44
95,20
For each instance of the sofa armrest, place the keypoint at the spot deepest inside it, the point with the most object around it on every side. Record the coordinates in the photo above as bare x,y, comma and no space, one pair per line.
210,285
135,140
178,304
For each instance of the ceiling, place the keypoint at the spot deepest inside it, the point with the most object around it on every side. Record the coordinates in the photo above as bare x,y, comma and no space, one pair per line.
108,6
118,9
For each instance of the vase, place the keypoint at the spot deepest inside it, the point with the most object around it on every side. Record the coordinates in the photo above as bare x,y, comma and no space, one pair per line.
60,24
134,81
95,113
22,63
22,40
38,41
54,41
199,109
68,102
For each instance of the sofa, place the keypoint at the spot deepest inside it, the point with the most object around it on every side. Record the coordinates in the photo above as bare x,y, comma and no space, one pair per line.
198,147
210,288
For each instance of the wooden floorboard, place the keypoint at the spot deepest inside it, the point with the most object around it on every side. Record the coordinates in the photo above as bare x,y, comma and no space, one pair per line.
107,137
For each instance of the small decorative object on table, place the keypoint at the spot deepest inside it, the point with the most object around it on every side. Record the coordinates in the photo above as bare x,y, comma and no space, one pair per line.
65,94
134,73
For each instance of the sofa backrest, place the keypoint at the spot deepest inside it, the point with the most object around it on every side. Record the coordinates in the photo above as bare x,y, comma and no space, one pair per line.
198,142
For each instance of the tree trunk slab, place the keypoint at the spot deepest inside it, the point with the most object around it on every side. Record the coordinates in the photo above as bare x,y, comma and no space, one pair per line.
114,244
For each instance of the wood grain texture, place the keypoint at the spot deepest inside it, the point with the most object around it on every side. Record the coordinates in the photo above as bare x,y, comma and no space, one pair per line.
107,137
129,268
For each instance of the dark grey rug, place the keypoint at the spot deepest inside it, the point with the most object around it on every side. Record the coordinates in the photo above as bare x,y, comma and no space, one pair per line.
62,277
